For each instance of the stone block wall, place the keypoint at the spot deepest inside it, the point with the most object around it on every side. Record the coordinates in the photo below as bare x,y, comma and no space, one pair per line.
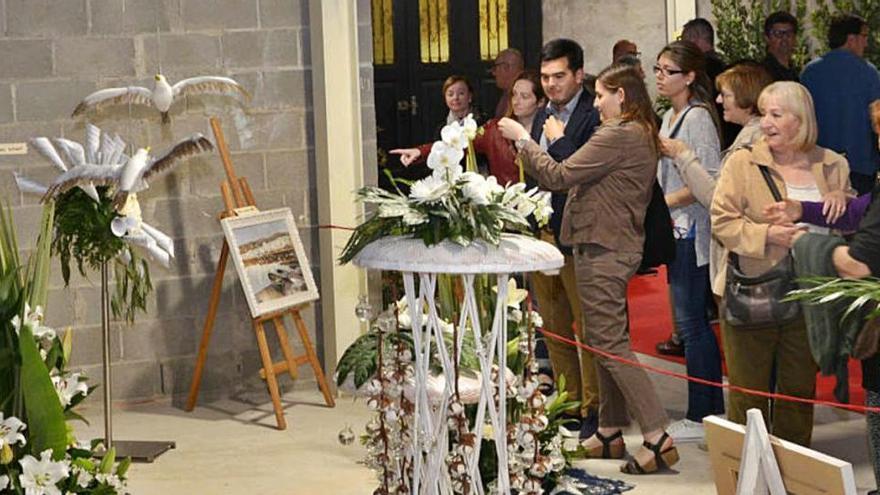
54,52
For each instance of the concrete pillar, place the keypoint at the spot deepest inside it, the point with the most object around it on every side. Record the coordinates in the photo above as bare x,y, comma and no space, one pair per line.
337,105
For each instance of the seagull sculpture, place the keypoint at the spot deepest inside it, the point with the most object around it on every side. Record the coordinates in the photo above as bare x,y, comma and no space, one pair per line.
163,94
102,162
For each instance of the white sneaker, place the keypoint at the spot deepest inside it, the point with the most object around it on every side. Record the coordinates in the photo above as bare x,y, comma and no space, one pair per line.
686,431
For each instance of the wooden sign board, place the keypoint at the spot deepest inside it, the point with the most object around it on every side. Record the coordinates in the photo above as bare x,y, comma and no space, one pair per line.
804,471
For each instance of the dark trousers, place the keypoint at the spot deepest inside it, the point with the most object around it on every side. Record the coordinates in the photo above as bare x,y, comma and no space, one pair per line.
688,283
751,356
602,278
862,183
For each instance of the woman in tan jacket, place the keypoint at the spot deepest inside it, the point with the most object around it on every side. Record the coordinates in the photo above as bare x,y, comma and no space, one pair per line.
800,170
609,182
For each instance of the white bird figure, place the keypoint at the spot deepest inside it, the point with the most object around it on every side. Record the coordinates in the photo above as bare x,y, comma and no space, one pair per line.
163,94
131,175
102,162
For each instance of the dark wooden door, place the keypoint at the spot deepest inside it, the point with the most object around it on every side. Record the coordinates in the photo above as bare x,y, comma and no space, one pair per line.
409,103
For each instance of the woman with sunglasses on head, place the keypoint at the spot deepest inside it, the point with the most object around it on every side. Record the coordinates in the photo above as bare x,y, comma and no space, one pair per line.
525,97
682,78
609,182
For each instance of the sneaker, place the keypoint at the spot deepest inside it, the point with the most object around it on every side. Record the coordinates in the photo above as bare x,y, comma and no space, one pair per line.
687,431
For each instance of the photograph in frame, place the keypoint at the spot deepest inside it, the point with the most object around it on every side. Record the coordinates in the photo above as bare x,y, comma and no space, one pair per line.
270,261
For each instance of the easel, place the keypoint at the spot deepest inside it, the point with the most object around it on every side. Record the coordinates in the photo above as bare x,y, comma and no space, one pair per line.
238,199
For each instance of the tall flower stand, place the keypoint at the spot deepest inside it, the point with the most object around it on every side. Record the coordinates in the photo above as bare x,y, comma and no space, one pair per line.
514,254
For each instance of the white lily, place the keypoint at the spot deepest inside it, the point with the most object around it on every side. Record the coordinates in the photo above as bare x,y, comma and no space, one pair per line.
34,320
515,295
478,189
454,136
429,189
39,477
4,482
110,480
10,431
69,387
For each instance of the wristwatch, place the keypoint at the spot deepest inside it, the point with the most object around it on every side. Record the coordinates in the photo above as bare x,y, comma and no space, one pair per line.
521,143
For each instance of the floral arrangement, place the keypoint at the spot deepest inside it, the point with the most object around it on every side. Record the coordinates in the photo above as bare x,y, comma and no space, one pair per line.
450,203
38,394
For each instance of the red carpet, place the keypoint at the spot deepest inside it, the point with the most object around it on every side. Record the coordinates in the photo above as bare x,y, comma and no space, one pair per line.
651,321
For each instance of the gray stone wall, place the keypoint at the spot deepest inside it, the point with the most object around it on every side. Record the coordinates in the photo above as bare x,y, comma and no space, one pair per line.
598,24
54,52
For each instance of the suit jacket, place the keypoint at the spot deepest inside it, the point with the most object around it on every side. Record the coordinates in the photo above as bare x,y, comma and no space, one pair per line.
610,182
583,121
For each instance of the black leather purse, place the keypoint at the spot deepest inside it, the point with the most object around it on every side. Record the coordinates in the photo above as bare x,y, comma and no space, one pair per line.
757,302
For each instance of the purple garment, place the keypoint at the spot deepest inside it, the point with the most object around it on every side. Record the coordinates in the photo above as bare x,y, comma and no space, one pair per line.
848,222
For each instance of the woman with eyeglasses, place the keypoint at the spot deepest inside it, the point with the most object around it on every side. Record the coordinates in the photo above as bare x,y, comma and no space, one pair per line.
682,78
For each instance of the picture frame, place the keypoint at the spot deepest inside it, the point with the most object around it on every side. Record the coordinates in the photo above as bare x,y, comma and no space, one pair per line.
270,260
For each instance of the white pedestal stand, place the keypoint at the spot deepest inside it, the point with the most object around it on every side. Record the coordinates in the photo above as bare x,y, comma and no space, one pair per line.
514,254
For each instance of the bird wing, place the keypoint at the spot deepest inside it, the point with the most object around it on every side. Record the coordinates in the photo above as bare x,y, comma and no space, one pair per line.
182,151
44,147
93,143
72,151
100,175
112,147
216,85
134,95
29,186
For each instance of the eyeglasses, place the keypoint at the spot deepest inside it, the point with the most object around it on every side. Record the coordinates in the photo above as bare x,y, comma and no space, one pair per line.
666,71
782,33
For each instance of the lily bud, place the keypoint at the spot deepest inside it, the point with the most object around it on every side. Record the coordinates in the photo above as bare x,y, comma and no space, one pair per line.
6,454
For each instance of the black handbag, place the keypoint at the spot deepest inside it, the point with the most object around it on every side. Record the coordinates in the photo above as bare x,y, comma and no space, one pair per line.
757,302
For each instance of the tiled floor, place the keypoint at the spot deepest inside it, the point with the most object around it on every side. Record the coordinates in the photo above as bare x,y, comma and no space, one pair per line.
231,447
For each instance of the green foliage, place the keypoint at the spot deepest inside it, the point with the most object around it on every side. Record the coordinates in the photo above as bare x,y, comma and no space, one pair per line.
361,358
45,416
856,294
868,9
83,235
739,30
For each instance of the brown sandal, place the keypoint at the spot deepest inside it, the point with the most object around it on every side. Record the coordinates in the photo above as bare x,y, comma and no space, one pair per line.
662,459
608,450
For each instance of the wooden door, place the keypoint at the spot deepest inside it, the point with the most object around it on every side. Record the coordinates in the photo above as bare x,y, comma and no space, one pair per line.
417,44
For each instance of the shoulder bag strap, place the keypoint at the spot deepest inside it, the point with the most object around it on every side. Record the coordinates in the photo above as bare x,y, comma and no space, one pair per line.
770,183
679,122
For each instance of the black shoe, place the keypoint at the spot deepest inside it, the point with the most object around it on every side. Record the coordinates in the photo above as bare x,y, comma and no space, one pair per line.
589,425
670,348
571,426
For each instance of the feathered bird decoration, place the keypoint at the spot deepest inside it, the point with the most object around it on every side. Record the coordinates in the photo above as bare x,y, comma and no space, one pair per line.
163,94
102,162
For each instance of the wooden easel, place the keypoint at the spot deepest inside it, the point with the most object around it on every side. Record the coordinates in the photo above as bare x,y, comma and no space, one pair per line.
237,197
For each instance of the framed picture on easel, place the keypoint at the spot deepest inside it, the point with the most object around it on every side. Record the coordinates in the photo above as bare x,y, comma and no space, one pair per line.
270,260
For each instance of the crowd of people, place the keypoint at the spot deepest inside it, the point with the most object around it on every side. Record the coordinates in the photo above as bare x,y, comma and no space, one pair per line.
749,156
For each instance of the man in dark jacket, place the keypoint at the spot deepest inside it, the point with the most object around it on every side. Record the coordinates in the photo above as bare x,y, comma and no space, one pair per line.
562,77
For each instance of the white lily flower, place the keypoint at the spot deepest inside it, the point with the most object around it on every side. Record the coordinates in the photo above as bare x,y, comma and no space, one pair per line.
4,482
34,320
478,189
39,477
469,127
10,431
515,295
429,189
110,480
69,387
83,476
454,135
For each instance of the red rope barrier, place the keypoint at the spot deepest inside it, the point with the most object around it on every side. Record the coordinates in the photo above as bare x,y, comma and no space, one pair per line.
681,376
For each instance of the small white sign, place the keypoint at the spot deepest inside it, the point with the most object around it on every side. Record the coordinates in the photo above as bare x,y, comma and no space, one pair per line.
13,148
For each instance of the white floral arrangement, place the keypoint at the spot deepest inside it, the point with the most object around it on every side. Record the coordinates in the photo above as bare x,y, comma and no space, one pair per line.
450,203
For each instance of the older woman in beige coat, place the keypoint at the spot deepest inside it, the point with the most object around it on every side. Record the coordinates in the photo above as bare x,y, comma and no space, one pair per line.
801,170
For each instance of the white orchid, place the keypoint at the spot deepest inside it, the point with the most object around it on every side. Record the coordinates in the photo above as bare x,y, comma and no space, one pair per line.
454,136
34,320
69,387
10,431
429,189
444,157
469,127
39,477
